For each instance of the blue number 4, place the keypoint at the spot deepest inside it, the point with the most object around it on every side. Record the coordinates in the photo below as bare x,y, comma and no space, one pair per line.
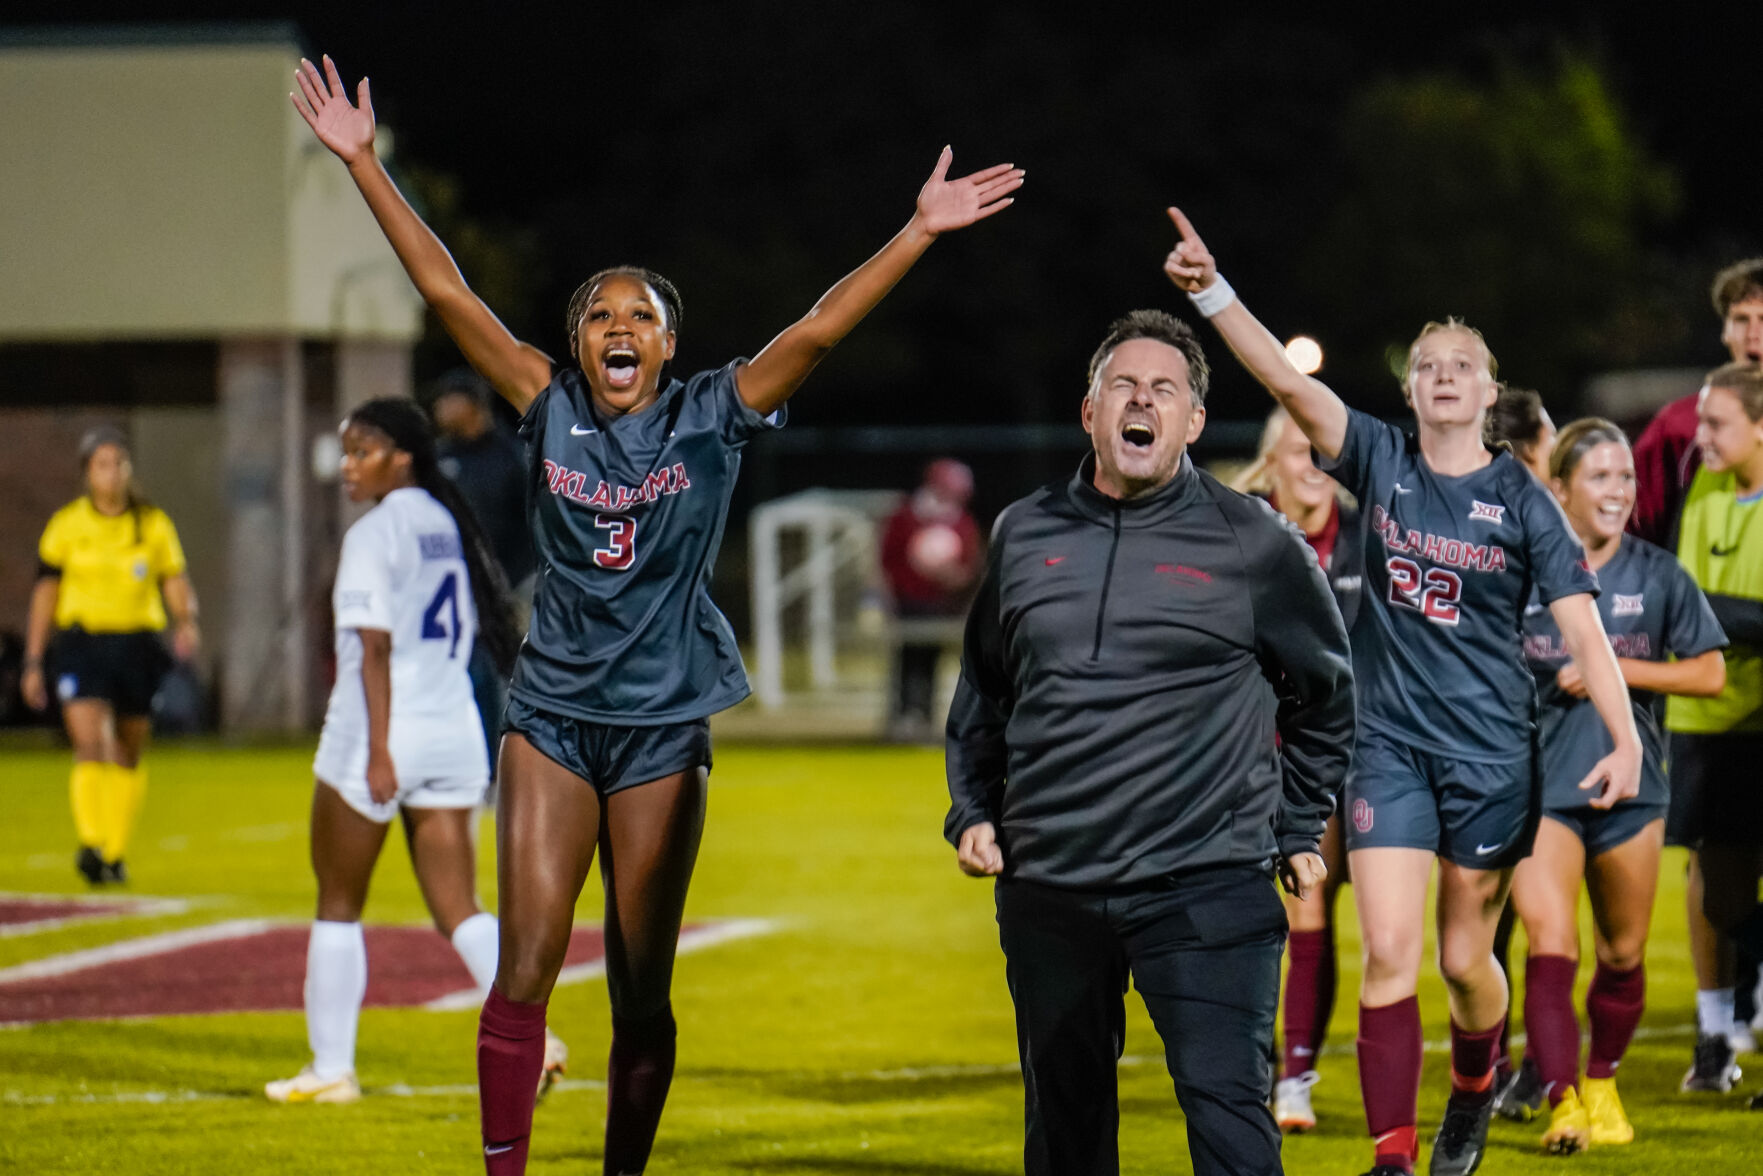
447,596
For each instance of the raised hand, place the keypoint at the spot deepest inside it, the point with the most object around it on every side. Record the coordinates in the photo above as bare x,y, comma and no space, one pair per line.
323,102
945,204
1190,264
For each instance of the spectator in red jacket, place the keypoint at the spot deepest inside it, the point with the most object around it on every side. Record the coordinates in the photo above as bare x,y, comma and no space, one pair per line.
930,555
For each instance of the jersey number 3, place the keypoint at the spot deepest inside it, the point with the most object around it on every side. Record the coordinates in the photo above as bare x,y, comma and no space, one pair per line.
1435,594
621,543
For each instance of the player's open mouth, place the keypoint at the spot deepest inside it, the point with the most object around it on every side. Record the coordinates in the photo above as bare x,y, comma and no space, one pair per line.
621,366
1138,434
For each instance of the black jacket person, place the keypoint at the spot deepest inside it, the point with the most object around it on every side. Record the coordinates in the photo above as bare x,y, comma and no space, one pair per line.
1141,636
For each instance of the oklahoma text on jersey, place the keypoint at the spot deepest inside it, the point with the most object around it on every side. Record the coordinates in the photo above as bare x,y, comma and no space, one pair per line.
1454,553
570,484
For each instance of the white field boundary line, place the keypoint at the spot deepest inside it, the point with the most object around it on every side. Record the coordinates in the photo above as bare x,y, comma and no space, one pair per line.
690,940
131,908
133,949
13,1098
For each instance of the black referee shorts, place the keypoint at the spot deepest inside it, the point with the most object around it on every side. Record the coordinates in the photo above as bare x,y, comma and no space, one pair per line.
122,669
1715,794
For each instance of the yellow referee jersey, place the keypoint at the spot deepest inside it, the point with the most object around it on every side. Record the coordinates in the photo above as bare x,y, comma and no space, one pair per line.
1720,543
111,566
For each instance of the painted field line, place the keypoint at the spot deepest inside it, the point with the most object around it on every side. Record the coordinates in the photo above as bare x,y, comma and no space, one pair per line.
693,939
138,909
133,949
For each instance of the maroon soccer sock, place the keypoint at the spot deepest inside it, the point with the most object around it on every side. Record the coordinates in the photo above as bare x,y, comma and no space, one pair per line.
510,1054
1310,987
1389,1079
1472,1062
638,1076
1550,1024
1613,1005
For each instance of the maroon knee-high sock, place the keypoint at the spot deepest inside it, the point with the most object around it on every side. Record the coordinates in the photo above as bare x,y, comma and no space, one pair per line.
638,1075
1310,987
510,1054
1472,1061
1551,1025
1389,1079
1613,1005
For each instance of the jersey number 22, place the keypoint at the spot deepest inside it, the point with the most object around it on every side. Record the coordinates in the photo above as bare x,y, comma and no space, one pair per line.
1434,593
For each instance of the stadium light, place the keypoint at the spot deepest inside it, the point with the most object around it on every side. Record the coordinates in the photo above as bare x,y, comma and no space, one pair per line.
1305,354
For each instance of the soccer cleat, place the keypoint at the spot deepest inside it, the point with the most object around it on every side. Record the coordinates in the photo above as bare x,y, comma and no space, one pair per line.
1604,1108
1463,1137
114,872
307,1086
1291,1103
1713,1071
1521,1099
1742,1040
1570,1127
90,865
556,1062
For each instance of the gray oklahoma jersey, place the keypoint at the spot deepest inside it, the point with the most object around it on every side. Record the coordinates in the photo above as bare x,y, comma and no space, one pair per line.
1651,608
1449,564
627,515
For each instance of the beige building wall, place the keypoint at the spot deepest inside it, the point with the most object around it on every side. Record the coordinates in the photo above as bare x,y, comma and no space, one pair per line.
168,190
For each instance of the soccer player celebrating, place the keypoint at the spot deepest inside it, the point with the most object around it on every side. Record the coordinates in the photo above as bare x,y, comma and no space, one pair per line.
111,565
606,738
1284,473
1443,767
1667,642
1716,807
402,735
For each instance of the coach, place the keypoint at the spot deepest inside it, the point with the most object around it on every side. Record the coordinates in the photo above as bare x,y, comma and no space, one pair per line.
1141,636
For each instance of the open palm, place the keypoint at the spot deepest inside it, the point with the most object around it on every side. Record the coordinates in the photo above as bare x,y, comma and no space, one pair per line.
945,204
323,102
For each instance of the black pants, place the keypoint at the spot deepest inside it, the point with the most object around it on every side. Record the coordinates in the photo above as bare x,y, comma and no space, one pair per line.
1204,952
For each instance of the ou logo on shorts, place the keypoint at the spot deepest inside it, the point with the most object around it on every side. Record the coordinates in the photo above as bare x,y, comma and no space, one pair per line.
1362,815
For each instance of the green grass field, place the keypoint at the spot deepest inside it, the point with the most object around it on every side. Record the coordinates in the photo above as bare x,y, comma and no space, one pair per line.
871,1032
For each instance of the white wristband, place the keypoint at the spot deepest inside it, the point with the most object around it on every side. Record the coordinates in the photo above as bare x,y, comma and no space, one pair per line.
1213,298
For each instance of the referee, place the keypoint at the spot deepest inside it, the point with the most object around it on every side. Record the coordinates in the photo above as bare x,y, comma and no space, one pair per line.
107,558
1155,706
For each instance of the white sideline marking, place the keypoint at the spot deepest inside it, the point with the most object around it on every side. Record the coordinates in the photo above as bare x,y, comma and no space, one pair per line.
13,1098
277,832
133,949
694,939
130,908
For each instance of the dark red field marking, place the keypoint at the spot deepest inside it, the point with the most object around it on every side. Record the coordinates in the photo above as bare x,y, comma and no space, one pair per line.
26,914
257,966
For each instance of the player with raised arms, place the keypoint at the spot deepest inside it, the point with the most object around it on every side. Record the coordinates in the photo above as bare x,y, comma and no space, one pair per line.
1667,642
1443,765
606,738
416,586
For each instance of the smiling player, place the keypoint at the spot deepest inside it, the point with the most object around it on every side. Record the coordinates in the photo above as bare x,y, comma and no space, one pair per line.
1443,767
606,743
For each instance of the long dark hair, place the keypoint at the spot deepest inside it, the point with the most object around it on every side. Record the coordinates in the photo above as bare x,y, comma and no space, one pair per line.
94,440
408,428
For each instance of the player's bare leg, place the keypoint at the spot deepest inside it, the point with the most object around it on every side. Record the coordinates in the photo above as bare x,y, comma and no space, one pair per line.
443,851
547,822
1623,882
1545,893
1469,905
1389,888
649,846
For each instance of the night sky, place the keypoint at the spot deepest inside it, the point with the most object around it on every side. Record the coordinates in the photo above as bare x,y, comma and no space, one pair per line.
756,152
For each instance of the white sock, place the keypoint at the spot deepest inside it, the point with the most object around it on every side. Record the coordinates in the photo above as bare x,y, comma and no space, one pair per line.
1714,1012
477,941
336,982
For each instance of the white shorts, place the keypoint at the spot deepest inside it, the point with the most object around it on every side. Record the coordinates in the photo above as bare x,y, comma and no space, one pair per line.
342,764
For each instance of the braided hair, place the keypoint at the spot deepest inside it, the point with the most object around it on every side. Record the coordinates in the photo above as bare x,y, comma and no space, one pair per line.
407,426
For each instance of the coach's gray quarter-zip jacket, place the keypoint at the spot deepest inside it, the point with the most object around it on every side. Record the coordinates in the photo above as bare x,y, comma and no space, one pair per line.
1126,667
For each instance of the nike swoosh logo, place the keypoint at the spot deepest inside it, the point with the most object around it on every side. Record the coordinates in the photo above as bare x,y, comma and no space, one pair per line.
1401,489
1486,849
1055,559
578,431
496,1151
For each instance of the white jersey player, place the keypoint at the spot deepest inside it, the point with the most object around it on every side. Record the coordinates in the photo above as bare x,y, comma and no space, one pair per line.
402,735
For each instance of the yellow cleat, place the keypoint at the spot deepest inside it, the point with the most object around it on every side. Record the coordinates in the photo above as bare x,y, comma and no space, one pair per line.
1609,1122
1570,1127
308,1087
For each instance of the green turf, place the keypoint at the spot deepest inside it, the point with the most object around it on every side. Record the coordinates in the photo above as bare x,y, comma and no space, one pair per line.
871,1033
